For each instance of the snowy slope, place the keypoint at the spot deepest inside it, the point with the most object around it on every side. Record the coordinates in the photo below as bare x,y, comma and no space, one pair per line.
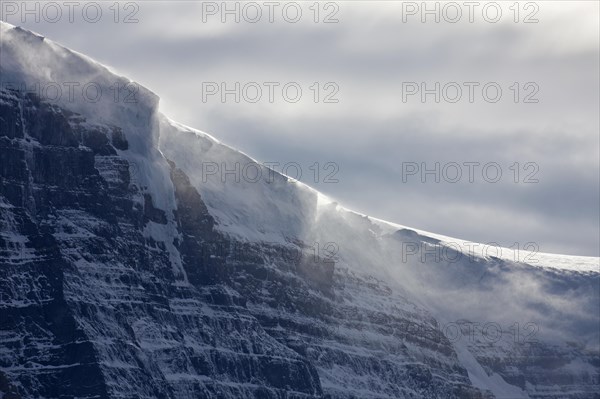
557,296
378,274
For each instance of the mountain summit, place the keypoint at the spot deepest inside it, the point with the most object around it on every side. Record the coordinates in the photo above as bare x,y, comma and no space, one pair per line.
143,258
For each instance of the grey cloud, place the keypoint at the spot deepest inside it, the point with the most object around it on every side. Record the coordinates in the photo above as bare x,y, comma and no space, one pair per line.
371,131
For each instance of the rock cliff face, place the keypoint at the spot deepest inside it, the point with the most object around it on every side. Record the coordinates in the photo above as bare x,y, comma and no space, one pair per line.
93,305
126,271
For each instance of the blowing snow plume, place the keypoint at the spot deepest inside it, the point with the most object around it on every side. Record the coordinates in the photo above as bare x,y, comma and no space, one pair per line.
131,267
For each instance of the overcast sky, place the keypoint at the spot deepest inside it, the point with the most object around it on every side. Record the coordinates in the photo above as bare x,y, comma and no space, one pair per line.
378,135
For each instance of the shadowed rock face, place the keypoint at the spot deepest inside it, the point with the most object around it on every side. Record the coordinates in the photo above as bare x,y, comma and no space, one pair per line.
91,307
96,303
123,275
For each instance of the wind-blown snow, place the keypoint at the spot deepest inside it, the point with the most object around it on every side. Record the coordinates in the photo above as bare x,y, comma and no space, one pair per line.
558,293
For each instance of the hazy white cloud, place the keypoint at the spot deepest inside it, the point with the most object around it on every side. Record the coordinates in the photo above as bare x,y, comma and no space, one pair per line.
369,54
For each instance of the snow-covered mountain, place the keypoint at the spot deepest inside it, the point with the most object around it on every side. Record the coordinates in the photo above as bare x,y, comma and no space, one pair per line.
133,266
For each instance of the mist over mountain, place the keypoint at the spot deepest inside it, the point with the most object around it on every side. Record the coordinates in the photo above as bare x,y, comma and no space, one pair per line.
143,258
